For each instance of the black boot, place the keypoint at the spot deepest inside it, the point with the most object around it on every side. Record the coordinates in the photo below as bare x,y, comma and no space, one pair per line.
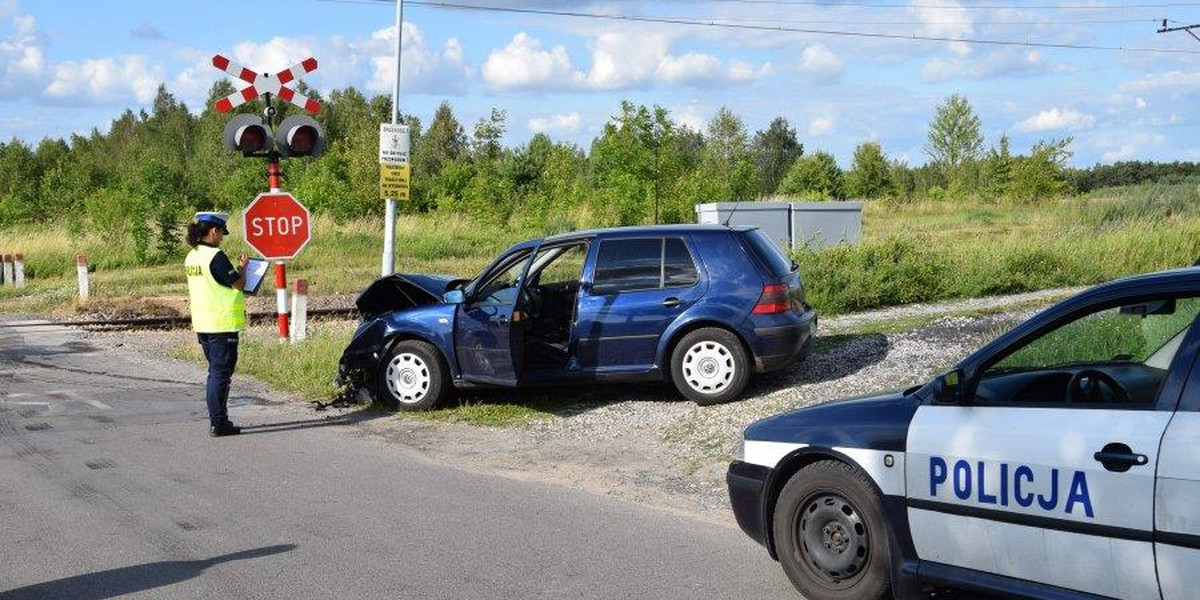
224,429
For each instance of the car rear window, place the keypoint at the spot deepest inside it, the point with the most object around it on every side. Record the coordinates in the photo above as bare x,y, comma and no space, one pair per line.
643,264
768,252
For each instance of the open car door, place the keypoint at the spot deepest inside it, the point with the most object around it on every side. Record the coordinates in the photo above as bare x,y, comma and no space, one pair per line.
488,328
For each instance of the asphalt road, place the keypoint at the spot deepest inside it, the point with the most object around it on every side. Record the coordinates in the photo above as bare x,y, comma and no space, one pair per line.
110,485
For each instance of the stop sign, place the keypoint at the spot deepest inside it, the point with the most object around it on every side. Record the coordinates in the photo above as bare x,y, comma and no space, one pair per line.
276,225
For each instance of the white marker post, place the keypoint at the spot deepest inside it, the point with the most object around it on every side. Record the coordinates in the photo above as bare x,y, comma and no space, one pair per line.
19,271
7,270
300,311
81,267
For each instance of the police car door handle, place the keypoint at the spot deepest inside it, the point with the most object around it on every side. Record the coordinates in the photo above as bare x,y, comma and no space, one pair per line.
1119,458
672,302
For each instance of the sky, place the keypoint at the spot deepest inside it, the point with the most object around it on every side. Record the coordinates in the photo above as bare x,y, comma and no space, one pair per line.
71,65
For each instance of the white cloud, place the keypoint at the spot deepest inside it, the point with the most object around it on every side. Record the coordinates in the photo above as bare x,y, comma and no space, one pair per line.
689,115
620,60
1000,63
819,64
822,125
1139,103
563,123
1170,80
524,63
426,69
22,58
1055,119
8,8
945,18
146,31
105,80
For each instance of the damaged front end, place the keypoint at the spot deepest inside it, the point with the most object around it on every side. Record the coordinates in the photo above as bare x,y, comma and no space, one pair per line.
388,295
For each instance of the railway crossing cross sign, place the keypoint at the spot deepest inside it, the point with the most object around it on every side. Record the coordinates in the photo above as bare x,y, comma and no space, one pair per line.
266,83
276,225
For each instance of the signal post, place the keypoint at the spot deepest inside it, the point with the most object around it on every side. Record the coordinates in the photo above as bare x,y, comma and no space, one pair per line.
275,224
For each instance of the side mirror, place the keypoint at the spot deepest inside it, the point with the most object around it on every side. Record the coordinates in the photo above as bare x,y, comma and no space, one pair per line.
948,388
454,297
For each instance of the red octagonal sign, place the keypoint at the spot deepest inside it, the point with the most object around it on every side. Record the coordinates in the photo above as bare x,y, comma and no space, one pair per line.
276,225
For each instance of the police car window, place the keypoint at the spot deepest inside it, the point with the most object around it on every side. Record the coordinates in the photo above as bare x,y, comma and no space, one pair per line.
627,265
1115,335
502,287
1112,358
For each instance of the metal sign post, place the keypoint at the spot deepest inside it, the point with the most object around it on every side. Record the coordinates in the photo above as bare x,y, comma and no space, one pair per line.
389,218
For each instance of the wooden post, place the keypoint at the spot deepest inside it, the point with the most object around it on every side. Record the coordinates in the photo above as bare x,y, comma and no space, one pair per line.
81,267
19,271
300,311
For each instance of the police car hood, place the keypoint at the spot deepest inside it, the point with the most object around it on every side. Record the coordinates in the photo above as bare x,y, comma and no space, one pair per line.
877,422
403,291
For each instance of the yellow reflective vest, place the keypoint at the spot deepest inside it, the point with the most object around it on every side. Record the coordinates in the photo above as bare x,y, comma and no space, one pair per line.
215,308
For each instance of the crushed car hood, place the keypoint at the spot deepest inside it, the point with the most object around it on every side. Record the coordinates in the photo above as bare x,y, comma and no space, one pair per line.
403,291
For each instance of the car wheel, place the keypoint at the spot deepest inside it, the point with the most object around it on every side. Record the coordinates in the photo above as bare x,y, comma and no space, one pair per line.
831,536
709,366
412,377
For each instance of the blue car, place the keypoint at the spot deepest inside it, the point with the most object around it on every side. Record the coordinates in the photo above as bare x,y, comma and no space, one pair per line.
700,306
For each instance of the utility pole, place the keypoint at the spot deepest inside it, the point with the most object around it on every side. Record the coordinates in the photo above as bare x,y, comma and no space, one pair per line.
389,222
1185,28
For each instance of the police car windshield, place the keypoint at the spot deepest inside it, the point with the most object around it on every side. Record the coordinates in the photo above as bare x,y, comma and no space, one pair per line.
1110,336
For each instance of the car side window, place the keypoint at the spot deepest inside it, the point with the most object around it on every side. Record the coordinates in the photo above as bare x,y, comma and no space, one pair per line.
678,268
502,287
1117,355
559,265
626,265
643,264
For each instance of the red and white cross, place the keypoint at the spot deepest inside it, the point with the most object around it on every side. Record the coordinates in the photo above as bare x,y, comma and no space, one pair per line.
266,83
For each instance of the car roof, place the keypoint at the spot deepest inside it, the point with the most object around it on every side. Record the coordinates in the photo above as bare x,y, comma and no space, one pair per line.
638,230
1182,279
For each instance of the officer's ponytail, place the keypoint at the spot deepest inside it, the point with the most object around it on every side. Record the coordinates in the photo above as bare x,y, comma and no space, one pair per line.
196,231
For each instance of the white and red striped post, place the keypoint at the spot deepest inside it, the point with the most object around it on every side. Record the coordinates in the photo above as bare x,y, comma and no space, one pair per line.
281,300
7,270
19,270
300,311
81,268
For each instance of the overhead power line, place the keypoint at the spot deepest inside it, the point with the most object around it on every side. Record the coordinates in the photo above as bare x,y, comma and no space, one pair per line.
717,24
826,4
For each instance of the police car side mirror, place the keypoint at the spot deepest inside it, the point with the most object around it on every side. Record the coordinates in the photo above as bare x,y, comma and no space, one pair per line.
948,388
454,297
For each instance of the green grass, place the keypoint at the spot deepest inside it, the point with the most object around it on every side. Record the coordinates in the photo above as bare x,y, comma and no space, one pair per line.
927,252
487,414
911,252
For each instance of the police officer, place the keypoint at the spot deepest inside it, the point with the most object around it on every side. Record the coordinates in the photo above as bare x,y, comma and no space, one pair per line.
218,310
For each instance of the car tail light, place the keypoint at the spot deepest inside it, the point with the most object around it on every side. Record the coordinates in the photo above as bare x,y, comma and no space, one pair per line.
774,299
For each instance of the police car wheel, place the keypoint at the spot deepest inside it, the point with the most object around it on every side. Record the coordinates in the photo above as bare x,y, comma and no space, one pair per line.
709,366
412,377
830,534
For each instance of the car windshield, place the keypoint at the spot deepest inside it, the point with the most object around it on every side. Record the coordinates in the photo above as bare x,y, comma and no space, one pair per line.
1115,335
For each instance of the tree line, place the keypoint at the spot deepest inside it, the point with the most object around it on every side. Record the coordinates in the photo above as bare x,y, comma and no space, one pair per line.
153,168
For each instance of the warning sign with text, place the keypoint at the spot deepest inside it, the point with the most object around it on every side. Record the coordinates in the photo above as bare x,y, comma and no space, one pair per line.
393,181
393,144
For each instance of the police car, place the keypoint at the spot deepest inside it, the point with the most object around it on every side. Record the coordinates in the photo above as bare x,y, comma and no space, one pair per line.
1061,460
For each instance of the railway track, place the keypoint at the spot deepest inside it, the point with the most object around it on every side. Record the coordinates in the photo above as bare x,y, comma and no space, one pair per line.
183,322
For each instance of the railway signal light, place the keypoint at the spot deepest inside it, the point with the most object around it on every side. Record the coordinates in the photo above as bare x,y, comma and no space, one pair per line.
299,135
246,134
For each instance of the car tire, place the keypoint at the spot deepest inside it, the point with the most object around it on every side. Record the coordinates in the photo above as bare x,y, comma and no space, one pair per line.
831,536
709,366
412,377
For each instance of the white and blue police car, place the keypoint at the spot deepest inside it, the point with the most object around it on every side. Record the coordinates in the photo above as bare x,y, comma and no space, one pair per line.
1061,460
